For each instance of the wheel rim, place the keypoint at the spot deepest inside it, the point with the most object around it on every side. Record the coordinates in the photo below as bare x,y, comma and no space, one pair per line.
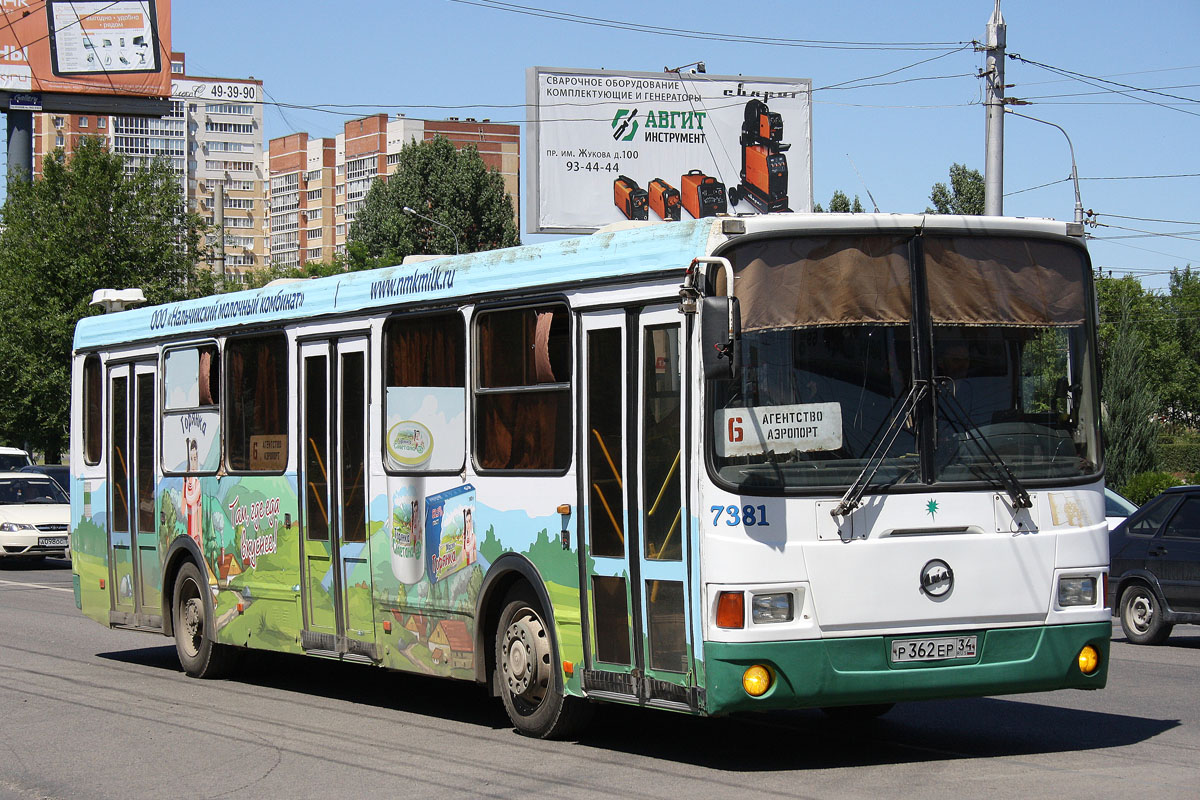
1139,613
525,658
191,617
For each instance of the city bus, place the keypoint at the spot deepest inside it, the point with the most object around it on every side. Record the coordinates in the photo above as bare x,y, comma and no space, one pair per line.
734,464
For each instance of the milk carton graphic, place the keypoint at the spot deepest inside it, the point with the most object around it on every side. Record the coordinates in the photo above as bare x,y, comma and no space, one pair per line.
450,531
408,551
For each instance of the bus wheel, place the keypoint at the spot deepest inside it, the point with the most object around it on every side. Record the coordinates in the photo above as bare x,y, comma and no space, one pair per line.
857,713
525,663
199,655
1141,616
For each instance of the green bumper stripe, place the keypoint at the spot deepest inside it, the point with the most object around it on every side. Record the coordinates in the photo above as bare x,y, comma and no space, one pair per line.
830,672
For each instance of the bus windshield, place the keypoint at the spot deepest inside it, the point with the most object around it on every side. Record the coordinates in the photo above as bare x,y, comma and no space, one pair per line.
999,346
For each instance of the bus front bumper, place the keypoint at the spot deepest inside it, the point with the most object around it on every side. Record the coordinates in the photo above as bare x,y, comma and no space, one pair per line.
859,671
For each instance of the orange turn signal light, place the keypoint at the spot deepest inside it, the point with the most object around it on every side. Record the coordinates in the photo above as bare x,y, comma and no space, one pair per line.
731,610
1089,660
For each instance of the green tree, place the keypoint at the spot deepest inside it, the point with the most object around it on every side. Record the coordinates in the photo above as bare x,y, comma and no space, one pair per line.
256,279
1176,359
840,204
963,196
453,187
84,225
1130,406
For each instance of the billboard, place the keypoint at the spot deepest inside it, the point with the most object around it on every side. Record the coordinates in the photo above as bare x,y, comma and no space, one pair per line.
609,146
107,47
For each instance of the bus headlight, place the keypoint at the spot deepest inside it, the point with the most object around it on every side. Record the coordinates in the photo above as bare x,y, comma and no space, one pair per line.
1076,591
767,608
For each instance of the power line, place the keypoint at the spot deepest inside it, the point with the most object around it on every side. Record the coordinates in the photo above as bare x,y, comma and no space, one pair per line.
1152,219
844,84
579,19
1092,81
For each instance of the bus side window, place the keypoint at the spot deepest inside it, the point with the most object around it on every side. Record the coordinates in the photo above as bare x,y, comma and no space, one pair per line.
191,417
93,410
256,395
523,391
425,383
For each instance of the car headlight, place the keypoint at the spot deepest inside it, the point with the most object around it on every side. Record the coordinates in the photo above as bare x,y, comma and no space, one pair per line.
1076,591
11,527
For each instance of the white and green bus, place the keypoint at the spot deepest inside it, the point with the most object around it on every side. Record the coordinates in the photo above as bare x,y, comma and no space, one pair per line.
735,464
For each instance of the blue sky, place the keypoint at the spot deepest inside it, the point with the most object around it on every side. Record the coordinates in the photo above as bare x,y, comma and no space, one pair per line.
902,130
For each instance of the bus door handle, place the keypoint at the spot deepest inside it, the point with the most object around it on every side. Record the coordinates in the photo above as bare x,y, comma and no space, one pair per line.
1158,550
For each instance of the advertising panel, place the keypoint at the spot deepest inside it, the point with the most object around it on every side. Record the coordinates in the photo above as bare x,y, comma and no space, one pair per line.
610,146
113,47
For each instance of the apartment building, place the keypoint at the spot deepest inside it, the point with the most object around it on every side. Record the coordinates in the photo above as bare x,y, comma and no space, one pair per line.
212,137
318,185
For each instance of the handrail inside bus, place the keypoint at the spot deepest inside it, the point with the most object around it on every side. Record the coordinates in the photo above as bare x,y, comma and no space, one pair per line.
612,518
611,465
312,485
317,452
666,480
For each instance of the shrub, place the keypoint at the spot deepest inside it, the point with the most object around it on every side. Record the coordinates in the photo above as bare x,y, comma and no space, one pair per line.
1179,457
1146,485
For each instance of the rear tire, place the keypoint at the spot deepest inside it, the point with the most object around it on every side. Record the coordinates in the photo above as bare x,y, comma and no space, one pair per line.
526,672
1142,616
191,611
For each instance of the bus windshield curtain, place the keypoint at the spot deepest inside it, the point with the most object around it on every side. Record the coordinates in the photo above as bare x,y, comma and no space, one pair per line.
822,281
856,280
1003,282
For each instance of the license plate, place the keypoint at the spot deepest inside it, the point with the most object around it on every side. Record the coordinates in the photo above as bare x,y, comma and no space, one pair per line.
52,541
937,649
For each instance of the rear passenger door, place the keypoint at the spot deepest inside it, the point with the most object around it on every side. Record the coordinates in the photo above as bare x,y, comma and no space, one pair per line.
1174,556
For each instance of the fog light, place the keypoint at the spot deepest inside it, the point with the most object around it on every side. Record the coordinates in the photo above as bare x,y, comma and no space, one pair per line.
1089,660
756,680
731,610
766,608
1076,591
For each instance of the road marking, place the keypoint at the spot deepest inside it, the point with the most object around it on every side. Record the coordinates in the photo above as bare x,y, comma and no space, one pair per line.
37,586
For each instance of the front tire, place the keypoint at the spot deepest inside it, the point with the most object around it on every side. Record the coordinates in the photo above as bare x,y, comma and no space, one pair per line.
1142,616
526,672
199,655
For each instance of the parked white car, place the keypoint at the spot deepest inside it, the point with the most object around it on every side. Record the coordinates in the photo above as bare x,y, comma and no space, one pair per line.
35,515
14,458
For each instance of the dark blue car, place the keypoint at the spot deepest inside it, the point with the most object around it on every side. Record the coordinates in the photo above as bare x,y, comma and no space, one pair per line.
1154,580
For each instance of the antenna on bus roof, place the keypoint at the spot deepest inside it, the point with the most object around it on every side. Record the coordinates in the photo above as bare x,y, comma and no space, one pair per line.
864,183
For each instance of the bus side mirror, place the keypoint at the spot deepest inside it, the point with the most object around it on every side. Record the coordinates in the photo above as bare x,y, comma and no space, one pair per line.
720,336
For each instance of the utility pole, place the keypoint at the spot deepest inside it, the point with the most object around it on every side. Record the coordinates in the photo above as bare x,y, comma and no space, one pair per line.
993,180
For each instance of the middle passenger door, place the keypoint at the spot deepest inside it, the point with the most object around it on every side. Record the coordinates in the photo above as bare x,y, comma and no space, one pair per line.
634,541
337,582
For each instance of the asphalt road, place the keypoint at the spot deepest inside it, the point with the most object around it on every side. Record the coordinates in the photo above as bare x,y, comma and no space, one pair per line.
88,712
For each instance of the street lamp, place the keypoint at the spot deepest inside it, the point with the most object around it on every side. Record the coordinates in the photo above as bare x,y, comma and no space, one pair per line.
1074,171
412,213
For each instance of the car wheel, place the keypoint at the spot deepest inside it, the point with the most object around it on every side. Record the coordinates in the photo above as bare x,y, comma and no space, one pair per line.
525,664
199,655
1141,616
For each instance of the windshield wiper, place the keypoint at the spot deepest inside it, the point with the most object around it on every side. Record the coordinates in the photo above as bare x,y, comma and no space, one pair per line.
962,424
853,497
